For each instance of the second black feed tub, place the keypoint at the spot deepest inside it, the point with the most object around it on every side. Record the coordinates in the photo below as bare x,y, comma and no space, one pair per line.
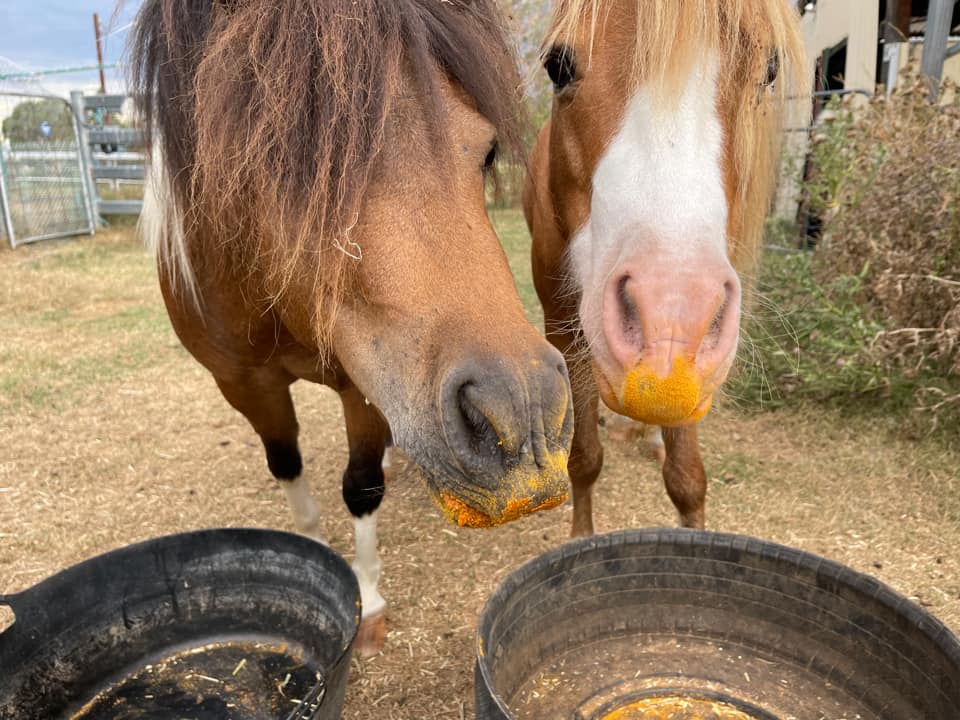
686,624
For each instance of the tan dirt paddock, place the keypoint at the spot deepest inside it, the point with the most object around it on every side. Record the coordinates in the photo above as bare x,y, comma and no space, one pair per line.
110,433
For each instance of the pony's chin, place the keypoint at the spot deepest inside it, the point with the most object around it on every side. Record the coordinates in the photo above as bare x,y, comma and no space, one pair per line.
521,493
677,400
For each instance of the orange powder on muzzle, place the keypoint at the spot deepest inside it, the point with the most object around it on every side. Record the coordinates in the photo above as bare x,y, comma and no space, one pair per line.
463,515
549,486
457,511
669,400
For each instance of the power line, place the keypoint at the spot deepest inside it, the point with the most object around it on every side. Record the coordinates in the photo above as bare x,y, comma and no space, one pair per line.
27,74
118,30
21,78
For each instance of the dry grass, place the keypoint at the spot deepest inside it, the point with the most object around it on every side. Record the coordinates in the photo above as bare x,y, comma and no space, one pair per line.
888,183
112,434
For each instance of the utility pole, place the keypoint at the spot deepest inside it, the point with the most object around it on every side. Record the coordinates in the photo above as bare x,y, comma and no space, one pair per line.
96,32
939,16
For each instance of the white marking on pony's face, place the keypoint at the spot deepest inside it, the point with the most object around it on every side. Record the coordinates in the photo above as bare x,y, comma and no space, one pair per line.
658,189
367,564
306,515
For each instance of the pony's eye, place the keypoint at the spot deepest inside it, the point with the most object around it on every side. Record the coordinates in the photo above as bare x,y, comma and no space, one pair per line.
560,66
491,157
773,69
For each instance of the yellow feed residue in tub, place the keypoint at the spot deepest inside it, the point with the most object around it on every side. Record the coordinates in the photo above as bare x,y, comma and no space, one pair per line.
677,708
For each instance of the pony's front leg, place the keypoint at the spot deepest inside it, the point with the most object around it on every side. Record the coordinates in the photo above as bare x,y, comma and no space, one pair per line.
263,397
586,455
363,487
586,451
683,474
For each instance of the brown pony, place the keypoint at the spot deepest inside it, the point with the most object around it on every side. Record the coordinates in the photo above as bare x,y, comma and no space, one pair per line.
316,203
646,199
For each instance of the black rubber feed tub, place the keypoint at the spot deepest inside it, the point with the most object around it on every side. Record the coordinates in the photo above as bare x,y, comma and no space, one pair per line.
683,624
208,625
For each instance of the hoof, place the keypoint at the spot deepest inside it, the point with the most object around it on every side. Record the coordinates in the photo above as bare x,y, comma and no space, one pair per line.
372,635
619,429
657,453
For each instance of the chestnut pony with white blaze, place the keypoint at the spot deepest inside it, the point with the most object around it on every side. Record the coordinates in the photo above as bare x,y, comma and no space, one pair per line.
646,198
316,202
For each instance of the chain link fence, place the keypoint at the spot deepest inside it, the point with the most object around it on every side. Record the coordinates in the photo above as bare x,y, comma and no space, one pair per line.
43,193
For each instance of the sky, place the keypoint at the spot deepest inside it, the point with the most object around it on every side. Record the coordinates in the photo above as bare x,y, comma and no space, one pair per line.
47,34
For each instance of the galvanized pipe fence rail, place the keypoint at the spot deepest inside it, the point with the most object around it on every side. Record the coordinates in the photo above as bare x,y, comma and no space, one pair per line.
119,160
62,168
43,192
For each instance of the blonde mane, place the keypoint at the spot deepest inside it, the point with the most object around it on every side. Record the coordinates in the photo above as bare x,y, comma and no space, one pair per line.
671,35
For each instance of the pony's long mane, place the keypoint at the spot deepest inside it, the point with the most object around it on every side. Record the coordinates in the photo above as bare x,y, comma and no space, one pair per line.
672,34
266,118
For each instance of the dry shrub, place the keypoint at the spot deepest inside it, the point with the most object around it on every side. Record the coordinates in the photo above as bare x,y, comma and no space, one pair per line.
889,187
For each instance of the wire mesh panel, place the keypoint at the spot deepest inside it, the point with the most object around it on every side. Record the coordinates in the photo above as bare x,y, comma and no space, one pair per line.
42,189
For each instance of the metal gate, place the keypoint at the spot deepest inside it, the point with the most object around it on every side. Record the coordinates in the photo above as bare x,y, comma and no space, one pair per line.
42,189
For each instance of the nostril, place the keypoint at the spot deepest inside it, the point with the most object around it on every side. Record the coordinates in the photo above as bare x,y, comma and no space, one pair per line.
476,423
718,326
629,312
729,291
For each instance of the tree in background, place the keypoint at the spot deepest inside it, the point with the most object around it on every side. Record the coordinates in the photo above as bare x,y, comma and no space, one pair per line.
529,20
24,123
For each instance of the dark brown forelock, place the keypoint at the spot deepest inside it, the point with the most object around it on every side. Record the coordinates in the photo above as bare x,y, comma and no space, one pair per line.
270,113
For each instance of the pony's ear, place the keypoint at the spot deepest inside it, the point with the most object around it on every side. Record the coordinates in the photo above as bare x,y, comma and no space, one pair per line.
560,66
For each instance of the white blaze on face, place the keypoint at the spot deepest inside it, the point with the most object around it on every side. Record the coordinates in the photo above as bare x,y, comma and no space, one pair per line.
658,190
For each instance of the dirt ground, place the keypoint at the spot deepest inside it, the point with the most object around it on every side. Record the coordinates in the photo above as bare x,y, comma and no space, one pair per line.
110,433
